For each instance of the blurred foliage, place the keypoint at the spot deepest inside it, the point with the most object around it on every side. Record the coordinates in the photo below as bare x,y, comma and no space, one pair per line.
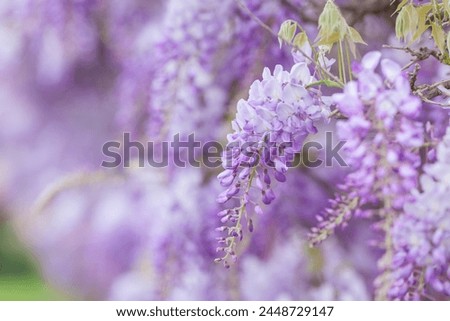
19,276
413,20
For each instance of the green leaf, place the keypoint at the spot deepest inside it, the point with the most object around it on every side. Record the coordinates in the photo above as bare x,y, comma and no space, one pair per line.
330,40
439,36
332,25
448,42
400,6
326,82
355,36
400,24
287,32
407,22
300,39
351,46
413,18
422,26
446,4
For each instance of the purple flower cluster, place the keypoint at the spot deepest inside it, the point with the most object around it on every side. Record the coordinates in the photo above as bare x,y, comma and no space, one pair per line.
184,83
382,140
205,54
58,34
269,129
421,237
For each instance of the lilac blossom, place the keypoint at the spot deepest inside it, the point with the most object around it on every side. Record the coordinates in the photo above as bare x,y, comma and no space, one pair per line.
46,138
84,219
56,38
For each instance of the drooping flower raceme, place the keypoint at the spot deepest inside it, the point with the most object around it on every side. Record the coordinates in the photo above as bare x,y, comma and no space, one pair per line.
269,128
59,34
382,138
421,237
205,55
184,62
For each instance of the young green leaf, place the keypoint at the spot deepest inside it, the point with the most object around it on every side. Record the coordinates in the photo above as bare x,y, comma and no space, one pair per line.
333,29
446,4
448,42
400,6
439,36
332,25
407,22
300,39
355,36
326,82
287,32
401,24
422,26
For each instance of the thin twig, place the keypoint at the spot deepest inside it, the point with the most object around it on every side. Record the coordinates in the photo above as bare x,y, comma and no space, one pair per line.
426,92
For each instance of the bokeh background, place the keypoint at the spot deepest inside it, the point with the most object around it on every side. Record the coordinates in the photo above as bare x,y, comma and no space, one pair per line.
75,74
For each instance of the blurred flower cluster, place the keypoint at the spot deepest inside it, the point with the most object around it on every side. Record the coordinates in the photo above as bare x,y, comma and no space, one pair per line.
76,74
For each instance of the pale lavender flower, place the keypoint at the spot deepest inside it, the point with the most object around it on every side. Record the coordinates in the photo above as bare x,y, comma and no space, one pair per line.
48,137
321,273
269,129
106,227
58,35
382,139
207,55
421,237
184,84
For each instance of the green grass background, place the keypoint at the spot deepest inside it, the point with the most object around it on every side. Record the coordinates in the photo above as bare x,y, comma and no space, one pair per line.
20,279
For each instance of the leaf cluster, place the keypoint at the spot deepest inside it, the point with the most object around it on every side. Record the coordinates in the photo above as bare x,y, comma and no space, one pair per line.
414,20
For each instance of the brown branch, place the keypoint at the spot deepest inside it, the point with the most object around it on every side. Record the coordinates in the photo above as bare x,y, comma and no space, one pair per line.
413,77
426,92
421,54
433,91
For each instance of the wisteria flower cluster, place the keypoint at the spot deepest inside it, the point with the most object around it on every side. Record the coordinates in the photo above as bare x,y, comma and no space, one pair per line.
197,60
270,127
382,138
421,236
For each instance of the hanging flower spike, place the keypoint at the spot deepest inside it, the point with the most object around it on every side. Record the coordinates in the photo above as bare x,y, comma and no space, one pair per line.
269,129
381,134
421,237
382,138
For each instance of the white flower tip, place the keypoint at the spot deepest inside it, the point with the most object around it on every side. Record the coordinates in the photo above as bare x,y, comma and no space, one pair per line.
390,69
371,59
